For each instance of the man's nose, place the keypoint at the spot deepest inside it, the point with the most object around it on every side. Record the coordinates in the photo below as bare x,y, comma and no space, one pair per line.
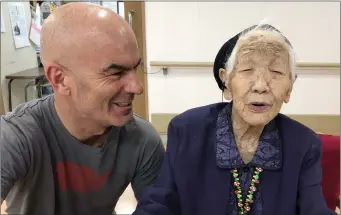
133,84
261,84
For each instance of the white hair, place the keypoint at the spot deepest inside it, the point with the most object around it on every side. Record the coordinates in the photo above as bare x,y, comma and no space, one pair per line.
231,62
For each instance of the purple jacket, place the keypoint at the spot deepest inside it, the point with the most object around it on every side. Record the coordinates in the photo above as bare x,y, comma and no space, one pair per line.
192,181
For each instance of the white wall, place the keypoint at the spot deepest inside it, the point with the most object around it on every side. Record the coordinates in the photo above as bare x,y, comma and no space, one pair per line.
15,60
195,31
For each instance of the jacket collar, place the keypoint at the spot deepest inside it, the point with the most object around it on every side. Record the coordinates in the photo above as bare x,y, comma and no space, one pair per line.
268,154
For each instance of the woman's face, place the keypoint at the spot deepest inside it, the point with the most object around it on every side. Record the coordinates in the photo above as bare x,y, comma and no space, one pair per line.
261,80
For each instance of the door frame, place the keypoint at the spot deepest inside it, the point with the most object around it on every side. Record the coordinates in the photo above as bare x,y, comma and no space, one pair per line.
136,9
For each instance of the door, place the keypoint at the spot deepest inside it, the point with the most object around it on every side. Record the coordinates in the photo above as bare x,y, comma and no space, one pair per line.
134,12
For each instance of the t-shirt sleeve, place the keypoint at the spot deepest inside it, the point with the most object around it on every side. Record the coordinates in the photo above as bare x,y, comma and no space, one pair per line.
15,156
149,167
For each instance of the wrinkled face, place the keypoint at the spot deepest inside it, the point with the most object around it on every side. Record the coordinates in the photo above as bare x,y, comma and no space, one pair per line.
261,79
104,82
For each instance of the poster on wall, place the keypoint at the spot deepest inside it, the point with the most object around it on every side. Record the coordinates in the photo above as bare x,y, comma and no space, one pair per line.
18,24
2,22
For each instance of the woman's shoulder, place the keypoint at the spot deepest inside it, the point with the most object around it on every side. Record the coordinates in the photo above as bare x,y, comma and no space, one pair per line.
295,127
296,134
200,114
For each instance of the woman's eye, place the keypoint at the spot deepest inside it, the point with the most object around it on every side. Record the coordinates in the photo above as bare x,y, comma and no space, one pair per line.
246,70
277,72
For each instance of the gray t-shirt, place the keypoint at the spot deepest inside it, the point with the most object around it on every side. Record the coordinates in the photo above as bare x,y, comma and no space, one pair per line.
45,170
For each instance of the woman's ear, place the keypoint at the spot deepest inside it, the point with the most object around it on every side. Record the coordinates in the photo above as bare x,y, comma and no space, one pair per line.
287,95
224,78
223,75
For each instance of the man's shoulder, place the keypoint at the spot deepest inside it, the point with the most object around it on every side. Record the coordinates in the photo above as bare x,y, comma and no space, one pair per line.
25,120
145,129
27,110
143,137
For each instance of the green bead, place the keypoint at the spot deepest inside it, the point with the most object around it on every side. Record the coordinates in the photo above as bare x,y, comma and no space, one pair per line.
250,196
235,174
239,196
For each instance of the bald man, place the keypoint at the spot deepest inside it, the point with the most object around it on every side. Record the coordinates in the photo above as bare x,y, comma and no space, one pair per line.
76,151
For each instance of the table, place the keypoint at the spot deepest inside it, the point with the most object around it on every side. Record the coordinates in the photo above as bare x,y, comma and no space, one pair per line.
35,74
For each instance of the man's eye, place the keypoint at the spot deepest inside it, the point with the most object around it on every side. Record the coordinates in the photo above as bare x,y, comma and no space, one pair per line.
118,73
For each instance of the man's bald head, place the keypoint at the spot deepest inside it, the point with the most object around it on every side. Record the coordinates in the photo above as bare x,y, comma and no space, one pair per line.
78,31
90,57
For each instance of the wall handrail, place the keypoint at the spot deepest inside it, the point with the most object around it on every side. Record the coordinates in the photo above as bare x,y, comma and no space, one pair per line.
331,65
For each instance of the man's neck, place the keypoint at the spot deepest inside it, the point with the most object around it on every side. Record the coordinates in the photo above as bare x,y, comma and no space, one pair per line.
84,130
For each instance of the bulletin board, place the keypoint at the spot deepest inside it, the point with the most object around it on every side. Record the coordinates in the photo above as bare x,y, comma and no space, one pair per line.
14,59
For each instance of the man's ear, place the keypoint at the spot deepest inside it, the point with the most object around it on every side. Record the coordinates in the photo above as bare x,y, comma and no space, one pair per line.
55,74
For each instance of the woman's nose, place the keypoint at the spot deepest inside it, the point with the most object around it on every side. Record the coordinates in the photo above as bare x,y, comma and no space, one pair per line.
261,85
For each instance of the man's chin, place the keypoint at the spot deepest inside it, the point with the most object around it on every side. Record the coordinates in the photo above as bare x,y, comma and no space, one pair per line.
120,121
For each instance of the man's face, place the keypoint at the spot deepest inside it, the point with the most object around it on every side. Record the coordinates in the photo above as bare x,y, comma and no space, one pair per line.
105,83
261,80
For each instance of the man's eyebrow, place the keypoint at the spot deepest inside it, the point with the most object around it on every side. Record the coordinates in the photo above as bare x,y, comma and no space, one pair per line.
122,68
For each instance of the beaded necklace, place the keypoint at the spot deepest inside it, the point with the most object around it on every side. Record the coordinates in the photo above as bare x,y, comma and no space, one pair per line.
245,208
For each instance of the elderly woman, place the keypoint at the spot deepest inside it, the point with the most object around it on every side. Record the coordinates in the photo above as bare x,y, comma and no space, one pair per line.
242,157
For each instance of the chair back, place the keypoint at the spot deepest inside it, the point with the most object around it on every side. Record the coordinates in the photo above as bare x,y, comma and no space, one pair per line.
331,169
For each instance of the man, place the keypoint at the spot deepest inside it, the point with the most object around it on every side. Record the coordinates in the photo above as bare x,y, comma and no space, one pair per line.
75,152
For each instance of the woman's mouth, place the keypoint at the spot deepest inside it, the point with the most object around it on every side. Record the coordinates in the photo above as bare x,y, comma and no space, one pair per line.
258,107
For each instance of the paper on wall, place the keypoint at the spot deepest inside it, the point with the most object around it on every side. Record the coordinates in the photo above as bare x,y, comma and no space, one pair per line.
35,34
19,24
2,22
36,27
